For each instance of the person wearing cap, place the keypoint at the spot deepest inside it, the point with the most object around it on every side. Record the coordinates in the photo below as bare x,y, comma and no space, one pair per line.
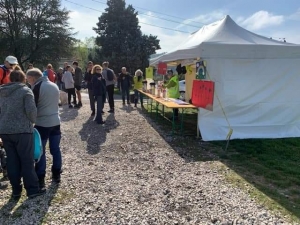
173,89
9,65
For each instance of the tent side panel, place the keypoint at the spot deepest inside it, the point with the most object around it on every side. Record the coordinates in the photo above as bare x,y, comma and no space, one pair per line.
261,98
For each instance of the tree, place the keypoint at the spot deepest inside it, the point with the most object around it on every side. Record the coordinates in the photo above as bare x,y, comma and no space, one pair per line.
121,40
84,51
35,31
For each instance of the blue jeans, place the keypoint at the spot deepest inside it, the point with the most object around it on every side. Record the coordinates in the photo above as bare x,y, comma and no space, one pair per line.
125,91
52,134
136,97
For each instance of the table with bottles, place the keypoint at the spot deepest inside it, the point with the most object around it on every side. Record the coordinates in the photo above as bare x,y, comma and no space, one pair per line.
169,103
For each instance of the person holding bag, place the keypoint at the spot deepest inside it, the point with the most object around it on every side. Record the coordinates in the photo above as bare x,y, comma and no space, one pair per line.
17,115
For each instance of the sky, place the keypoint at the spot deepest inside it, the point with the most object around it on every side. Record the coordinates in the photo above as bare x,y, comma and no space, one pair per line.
172,21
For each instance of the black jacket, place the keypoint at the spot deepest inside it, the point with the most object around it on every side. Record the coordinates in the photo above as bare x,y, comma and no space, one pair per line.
98,86
88,78
125,80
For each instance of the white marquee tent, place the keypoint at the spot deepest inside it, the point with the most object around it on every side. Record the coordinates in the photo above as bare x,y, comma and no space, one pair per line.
257,80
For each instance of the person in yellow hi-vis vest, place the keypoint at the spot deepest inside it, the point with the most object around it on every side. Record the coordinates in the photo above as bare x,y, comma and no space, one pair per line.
173,89
137,84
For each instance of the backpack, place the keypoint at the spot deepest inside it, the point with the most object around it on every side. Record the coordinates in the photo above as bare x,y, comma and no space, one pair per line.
4,73
38,148
110,75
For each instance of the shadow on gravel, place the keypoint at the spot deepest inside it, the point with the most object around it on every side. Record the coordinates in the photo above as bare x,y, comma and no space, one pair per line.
67,114
31,210
127,108
94,135
111,123
190,148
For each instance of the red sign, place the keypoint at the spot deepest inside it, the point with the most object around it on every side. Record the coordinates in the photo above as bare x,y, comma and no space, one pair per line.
203,94
162,68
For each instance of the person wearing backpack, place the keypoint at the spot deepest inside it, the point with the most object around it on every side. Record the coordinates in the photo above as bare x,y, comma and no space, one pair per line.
9,64
110,79
18,113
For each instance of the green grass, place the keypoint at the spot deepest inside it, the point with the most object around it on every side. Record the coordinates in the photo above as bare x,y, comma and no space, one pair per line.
269,168
271,165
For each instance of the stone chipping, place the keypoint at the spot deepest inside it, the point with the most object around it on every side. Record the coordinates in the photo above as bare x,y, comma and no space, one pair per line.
126,172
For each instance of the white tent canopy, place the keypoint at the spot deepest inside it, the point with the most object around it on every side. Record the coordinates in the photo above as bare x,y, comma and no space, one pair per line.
256,79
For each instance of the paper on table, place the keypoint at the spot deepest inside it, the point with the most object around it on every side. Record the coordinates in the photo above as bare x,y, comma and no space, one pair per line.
179,102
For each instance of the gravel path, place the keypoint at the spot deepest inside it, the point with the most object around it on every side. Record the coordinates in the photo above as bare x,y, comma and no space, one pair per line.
126,173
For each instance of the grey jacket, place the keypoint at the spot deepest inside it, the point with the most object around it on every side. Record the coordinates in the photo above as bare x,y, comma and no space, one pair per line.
17,109
47,106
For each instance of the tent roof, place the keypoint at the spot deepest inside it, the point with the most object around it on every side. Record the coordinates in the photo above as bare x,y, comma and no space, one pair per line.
222,32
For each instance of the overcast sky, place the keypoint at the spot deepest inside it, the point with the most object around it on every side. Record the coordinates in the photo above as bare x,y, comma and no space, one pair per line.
270,18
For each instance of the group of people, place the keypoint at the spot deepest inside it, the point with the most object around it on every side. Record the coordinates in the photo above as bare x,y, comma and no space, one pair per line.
31,100
100,82
21,110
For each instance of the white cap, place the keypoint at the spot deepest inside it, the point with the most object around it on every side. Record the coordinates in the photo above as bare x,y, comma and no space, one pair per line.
11,60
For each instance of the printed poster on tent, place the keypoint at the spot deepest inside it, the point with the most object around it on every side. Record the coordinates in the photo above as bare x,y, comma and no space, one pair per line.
203,94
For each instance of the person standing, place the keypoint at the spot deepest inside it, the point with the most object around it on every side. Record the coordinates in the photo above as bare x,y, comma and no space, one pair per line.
125,84
17,115
77,82
59,75
173,89
88,80
69,85
46,95
64,70
10,63
30,66
50,73
138,84
99,91
110,79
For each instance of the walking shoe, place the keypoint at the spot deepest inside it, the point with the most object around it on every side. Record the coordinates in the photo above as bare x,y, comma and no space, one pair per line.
79,104
76,106
103,122
70,106
56,175
93,113
40,192
111,111
56,178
